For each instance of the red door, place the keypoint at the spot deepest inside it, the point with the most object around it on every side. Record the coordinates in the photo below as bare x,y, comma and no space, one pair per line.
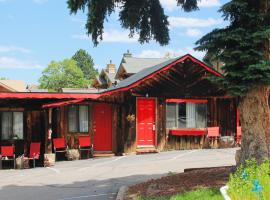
102,125
146,118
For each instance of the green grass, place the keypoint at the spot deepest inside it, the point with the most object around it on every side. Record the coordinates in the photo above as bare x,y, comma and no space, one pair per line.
199,194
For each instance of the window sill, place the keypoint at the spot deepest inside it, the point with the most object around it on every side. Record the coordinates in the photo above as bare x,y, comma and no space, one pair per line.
188,131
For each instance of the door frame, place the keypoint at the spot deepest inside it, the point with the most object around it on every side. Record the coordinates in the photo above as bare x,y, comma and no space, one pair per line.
93,120
155,142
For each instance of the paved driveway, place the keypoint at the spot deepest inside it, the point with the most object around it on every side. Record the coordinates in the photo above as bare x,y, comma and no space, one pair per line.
99,179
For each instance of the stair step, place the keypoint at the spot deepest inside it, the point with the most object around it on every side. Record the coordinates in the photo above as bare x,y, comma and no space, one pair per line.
146,150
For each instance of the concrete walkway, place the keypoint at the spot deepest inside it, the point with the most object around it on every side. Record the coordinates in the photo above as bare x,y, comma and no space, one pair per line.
100,179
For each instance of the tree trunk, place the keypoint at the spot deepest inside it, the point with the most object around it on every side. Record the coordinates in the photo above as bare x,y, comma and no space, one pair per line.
255,123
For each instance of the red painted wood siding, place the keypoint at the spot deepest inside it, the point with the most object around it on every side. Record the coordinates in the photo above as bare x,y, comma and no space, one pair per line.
102,125
146,119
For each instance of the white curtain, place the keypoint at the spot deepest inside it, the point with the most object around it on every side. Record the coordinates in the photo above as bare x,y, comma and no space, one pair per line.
6,125
171,115
18,124
72,119
83,116
191,115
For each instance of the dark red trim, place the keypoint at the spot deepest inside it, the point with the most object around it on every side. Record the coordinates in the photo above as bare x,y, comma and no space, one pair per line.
186,100
181,59
29,95
62,103
187,132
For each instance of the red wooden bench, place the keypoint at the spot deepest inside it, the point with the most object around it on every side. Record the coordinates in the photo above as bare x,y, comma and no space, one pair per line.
85,145
59,145
34,152
7,154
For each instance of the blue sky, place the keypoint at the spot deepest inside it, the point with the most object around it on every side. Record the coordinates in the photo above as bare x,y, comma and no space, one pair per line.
35,32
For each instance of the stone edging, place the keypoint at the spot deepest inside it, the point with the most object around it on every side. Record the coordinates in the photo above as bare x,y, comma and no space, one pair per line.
121,193
223,191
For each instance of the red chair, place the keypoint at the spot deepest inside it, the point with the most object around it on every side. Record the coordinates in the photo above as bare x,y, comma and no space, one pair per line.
7,154
59,145
238,135
213,132
34,152
85,145
213,135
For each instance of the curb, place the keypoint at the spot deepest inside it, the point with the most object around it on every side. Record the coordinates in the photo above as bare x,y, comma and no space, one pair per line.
223,191
121,193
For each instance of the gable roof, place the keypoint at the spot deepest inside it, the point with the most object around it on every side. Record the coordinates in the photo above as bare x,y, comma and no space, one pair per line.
149,72
13,85
132,65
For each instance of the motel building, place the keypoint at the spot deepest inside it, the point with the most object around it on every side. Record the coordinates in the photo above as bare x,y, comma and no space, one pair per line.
145,105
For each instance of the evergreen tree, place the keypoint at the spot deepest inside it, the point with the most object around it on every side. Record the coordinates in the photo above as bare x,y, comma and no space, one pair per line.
243,46
86,64
145,17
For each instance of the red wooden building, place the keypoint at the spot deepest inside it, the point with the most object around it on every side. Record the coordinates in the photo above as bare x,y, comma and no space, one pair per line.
164,106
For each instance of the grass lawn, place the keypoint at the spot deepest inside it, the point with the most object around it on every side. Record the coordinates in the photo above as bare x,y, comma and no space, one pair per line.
199,194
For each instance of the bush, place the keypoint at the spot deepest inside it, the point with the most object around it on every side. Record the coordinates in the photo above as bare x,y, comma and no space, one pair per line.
251,182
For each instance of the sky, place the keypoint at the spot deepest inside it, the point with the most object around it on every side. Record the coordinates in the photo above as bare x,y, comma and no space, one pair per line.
35,32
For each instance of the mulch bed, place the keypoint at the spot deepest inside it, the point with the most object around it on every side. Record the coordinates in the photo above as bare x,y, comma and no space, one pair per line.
178,183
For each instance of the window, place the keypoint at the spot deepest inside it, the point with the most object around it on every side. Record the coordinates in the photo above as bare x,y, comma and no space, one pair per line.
11,125
78,118
186,115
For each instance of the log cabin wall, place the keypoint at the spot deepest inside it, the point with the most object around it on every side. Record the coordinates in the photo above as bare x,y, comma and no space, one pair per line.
220,112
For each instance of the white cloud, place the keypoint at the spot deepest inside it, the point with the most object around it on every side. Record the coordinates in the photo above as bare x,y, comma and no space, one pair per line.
192,32
14,63
209,3
8,49
171,52
192,22
112,36
171,5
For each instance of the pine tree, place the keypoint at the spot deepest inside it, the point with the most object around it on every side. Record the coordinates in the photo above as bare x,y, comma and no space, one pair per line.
243,46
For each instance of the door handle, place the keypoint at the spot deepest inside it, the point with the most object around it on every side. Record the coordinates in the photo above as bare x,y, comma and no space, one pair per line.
154,127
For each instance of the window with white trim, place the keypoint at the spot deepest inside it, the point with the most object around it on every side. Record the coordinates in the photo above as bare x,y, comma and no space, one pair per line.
78,118
11,125
186,115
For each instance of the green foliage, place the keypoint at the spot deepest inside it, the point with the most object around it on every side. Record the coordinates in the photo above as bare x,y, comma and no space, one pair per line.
201,194
63,74
241,46
146,18
241,184
85,63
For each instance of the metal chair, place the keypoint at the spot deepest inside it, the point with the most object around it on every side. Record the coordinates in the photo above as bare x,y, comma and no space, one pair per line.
7,154
85,145
34,152
59,145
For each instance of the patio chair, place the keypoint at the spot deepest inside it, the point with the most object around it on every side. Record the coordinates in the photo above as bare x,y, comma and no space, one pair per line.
213,134
238,135
7,154
59,146
34,152
85,145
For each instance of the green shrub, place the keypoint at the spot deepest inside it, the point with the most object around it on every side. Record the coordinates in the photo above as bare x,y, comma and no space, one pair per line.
251,182
199,194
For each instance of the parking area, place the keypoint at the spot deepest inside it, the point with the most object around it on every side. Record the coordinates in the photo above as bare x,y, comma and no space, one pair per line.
100,179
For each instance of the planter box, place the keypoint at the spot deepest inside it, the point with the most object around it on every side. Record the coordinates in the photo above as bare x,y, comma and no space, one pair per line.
224,192
49,159
73,154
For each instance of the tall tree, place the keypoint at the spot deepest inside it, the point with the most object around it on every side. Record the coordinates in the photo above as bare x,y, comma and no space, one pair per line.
85,63
243,47
63,74
145,17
